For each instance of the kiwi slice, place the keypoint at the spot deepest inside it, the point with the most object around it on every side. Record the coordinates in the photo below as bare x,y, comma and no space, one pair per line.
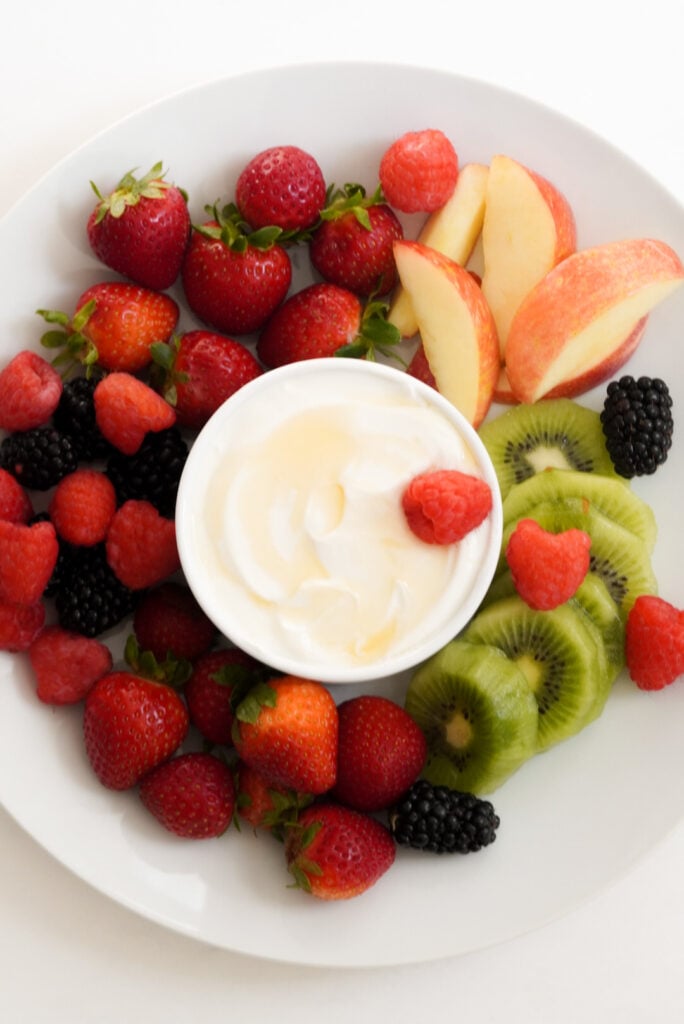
611,496
554,433
560,653
478,714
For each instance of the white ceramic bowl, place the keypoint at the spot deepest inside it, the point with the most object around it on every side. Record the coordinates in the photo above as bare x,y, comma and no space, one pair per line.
290,528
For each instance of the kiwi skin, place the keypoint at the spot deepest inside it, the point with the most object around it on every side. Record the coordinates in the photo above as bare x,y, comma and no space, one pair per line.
478,713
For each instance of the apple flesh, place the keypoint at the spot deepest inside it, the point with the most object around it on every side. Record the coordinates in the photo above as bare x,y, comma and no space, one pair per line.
581,321
528,228
452,230
457,330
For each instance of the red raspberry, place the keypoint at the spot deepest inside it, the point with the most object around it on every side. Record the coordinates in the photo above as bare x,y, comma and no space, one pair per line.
419,170
15,504
443,506
168,620
209,691
654,642
28,554
82,507
192,795
547,568
126,409
67,665
20,624
141,545
281,186
30,390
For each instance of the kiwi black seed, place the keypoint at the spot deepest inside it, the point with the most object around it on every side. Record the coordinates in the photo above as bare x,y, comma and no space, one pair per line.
556,432
478,713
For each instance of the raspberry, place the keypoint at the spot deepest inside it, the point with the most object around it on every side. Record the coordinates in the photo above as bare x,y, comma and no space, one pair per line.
547,568
82,507
30,389
20,624
141,545
419,170
15,504
28,554
66,665
443,506
281,186
168,620
126,409
654,642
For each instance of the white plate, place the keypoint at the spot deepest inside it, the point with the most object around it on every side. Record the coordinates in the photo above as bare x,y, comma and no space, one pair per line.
573,819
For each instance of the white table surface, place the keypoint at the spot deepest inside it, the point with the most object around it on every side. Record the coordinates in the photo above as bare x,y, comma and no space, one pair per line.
69,69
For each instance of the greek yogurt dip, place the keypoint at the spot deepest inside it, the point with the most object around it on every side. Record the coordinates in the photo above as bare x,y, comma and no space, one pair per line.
290,527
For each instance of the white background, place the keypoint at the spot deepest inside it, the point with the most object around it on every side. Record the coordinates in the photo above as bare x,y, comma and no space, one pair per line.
67,71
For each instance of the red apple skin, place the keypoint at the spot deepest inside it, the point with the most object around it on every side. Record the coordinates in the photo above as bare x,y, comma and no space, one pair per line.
562,214
420,368
603,371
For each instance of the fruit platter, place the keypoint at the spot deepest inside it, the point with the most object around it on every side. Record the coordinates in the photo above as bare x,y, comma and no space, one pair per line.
531,279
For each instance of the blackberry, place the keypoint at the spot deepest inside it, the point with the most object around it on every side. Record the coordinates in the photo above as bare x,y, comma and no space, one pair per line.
38,458
89,598
637,424
75,417
153,473
443,820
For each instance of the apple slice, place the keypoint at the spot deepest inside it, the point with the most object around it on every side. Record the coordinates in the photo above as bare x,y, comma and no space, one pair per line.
456,327
452,230
579,320
528,228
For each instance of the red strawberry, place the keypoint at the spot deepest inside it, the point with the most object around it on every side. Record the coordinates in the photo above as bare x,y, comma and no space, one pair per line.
141,545
200,370
335,853
30,390
287,730
141,229
28,554
114,325
192,795
352,247
15,504
418,171
126,409
20,624
168,620
67,665
130,725
82,507
263,805
233,281
283,186
443,506
547,568
209,691
325,320
381,751
654,642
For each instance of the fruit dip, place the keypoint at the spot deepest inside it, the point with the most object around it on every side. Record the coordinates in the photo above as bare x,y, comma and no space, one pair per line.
290,527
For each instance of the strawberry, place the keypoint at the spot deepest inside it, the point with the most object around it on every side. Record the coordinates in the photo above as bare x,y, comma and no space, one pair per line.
20,624
67,665
443,506
15,504
168,620
209,691
418,171
325,320
336,853
654,642
82,507
191,795
233,279
281,186
141,545
547,568
201,369
381,752
287,730
265,806
28,555
352,247
141,229
30,390
126,409
130,725
114,326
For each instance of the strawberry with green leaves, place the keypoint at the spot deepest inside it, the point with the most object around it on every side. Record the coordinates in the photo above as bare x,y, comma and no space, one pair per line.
209,692
234,278
141,228
263,805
